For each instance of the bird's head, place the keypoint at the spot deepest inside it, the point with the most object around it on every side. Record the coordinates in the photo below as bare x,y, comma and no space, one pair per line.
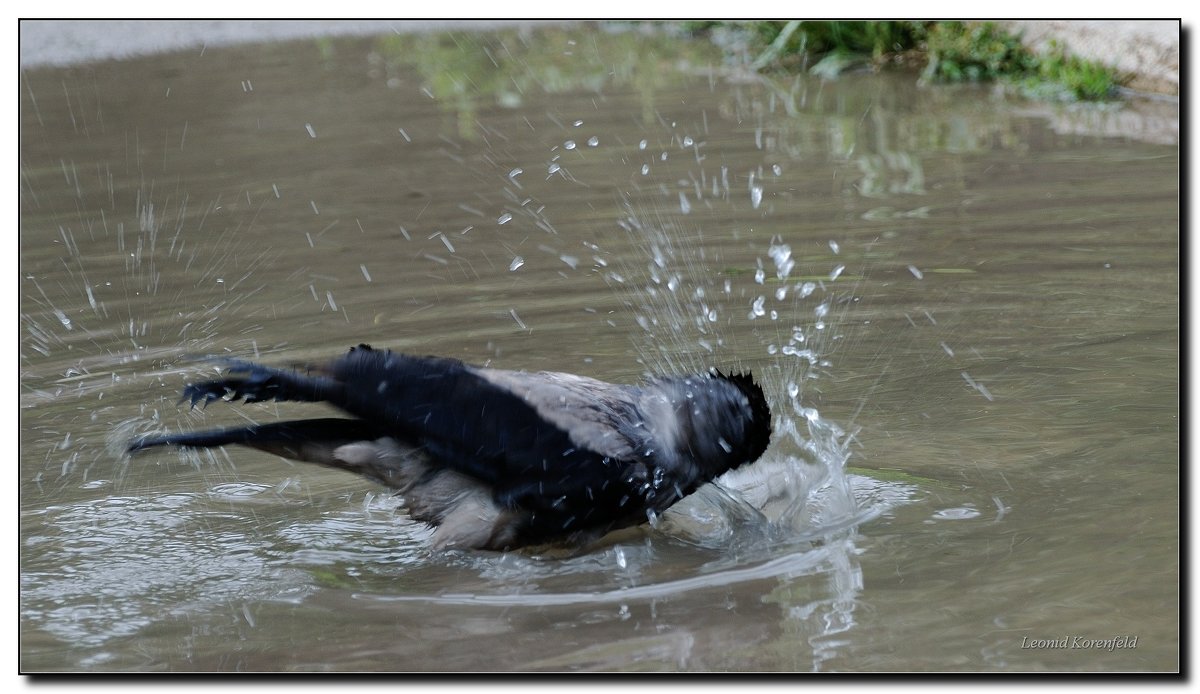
750,419
724,420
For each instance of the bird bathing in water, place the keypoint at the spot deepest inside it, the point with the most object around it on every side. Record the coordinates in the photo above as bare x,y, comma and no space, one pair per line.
501,459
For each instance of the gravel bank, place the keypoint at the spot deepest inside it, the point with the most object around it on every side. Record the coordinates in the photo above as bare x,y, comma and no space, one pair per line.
1148,49
67,42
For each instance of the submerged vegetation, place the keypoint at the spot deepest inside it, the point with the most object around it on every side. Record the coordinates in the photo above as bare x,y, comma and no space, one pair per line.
948,51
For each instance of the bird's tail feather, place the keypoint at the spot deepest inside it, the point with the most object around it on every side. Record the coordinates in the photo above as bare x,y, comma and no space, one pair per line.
305,439
262,383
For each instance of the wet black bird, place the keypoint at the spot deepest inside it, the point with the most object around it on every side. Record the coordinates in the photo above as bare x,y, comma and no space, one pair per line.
501,459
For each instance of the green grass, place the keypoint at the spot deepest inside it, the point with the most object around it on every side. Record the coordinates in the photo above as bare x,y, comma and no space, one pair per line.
960,52
950,52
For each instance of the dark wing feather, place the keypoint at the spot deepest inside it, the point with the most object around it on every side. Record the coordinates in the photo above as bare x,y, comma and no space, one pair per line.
564,465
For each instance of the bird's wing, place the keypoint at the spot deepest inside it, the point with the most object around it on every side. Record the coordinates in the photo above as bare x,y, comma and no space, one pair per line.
595,415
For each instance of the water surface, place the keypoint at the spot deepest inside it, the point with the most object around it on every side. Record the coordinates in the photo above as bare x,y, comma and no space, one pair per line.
964,308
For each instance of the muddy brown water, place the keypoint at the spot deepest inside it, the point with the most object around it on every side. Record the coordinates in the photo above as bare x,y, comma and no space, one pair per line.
966,314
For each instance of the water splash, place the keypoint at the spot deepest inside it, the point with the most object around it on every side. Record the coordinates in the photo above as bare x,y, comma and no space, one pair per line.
799,490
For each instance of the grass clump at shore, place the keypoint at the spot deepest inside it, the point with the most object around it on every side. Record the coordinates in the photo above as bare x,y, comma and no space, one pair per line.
960,51
950,52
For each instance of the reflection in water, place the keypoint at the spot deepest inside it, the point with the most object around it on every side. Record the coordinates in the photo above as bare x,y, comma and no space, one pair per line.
980,295
112,567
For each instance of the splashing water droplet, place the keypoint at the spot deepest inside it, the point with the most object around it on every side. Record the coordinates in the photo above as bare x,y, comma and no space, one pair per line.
504,218
569,144
643,144
593,141
977,386
782,255
833,246
756,309
836,271
960,513
516,264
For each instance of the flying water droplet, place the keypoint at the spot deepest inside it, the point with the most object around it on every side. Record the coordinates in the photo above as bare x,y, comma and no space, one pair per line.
756,309
782,255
